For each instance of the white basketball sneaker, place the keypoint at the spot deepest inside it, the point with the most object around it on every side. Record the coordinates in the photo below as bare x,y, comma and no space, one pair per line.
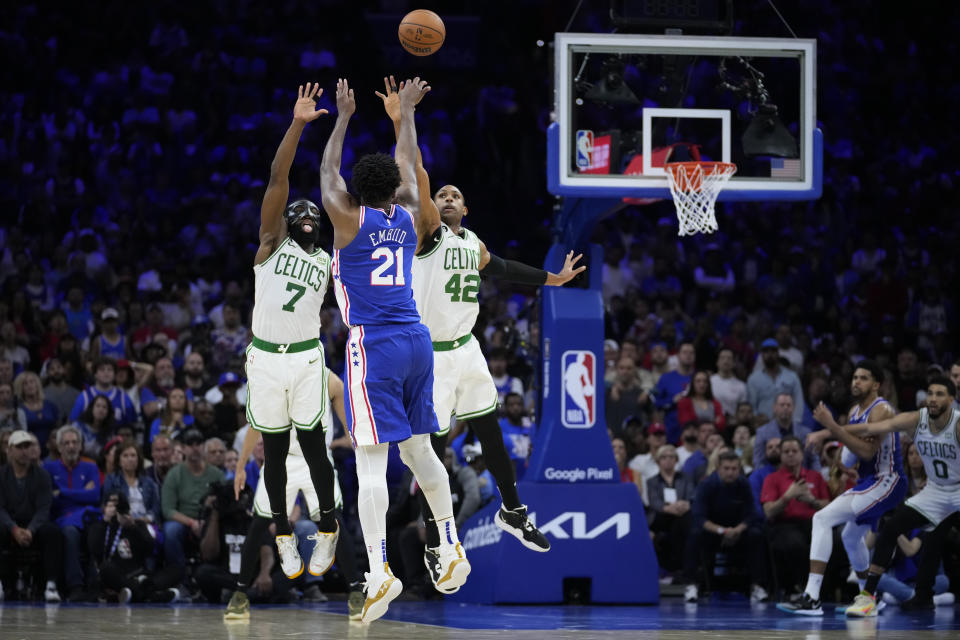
324,551
290,560
382,588
454,568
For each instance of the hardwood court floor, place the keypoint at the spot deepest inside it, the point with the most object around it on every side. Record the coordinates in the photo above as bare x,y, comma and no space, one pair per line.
671,620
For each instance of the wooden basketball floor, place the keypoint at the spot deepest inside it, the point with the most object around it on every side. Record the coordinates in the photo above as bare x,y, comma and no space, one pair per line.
671,620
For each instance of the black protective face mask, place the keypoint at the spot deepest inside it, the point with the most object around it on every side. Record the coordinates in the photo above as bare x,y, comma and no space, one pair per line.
773,460
691,439
305,239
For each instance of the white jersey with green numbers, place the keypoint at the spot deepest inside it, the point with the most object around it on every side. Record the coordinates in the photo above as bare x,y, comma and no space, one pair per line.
446,281
289,288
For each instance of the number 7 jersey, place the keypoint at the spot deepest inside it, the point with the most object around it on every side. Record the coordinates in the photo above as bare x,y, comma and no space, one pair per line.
446,280
371,274
289,288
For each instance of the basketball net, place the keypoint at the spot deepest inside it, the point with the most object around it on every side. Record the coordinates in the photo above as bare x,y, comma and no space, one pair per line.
695,187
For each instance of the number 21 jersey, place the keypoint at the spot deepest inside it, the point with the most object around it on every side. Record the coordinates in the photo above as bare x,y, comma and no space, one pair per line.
446,280
371,275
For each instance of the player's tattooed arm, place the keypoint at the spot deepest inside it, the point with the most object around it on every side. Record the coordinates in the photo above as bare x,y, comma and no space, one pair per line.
429,214
278,189
340,206
513,271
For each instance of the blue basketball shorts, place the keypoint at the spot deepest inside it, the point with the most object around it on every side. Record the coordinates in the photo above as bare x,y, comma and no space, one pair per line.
388,383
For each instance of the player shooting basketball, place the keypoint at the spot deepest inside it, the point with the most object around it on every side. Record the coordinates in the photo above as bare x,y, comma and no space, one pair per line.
446,278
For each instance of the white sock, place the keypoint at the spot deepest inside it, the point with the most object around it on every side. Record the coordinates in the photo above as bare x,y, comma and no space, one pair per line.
814,581
51,584
448,532
372,502
862,583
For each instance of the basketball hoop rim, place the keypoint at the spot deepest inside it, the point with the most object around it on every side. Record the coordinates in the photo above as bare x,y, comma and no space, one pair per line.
705,164
693,176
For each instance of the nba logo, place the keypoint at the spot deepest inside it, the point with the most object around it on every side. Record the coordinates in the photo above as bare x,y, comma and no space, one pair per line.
578,407
584,148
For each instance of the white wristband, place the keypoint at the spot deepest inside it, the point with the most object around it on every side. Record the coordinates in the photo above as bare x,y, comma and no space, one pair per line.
721,530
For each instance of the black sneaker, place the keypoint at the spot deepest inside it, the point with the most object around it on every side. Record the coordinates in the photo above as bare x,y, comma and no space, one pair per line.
805,606
431,559
516,523
918,604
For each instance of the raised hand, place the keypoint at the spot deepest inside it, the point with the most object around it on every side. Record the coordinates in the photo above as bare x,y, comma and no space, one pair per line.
822,415
391,99
346,105
305,108
412,91
568,272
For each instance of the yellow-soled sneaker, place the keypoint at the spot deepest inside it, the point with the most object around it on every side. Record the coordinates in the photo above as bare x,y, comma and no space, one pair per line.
290,560
864,606
454,568
238,608
381,590
324,551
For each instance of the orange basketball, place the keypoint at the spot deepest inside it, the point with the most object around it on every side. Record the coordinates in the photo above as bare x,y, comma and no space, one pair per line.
421,32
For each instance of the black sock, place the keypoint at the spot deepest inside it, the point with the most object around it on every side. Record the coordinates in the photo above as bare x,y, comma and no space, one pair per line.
328,521
873,580
496,458
274,472
314,446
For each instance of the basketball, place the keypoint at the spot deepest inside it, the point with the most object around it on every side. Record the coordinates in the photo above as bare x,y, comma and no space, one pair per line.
421,32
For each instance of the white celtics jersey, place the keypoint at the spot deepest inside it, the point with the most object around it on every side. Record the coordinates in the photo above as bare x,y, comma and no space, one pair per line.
326,423
289,288
445,285
940,452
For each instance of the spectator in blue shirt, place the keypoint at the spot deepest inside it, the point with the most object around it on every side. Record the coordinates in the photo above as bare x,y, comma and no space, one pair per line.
766,383
724,519
143,494
672,386
42,415
771,464
76,490
515,427
104,374
783,424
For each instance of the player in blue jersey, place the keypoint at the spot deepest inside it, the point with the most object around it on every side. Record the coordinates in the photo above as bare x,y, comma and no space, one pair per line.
446,278
882,486
389,368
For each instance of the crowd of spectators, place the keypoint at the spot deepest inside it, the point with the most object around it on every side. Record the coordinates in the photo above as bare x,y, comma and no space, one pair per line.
131,185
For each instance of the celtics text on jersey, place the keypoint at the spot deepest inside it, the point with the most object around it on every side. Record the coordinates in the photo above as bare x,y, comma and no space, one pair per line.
446,281
289,288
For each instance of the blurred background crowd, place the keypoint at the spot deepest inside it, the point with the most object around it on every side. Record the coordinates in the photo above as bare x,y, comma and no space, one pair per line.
133,167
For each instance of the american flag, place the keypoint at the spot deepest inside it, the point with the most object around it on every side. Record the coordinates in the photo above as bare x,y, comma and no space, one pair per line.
785,168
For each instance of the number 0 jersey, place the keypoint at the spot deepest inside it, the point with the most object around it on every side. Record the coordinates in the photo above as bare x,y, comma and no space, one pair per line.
289,288
372,274
940,452
446,280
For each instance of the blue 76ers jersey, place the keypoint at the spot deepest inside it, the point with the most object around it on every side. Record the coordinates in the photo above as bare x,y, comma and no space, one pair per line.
372,278
888,460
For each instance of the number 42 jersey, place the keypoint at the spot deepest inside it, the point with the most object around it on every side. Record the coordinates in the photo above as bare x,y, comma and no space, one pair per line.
446,280
289,288
371,274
